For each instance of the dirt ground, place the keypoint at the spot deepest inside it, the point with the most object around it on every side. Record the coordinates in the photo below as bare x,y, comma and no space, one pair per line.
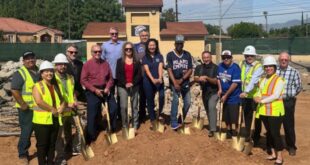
172,148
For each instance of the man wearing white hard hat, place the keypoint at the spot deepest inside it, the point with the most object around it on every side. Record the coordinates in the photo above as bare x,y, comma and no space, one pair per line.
47,109
270,108
229,85
251,71
66,84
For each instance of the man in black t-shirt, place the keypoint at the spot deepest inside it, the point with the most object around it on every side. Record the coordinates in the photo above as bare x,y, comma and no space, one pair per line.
205,74
180,67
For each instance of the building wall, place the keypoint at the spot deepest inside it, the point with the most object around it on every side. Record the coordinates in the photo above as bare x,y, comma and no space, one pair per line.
194,45
145,16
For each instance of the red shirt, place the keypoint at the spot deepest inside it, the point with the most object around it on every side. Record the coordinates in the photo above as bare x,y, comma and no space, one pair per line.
128,72
95,74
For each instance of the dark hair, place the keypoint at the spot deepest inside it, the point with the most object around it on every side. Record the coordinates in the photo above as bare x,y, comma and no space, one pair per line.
55,84
133,52
72,45
206,52
147,52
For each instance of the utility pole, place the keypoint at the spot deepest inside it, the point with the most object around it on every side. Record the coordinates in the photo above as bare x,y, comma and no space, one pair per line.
306,25
176,11
220,22
265,14
218,46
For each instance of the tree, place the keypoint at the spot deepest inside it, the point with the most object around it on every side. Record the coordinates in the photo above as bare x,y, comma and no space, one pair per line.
168,15
245,30
294,31
213,29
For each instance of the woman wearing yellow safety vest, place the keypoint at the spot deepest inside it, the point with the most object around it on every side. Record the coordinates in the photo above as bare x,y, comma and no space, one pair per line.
47,108
270,107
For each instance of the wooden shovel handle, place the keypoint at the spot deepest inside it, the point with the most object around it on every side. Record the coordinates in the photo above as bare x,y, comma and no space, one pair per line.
252,123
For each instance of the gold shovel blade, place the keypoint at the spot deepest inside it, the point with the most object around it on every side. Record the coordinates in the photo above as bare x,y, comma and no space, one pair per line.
159,127
87,151
184,130
223,136
195,122
111,138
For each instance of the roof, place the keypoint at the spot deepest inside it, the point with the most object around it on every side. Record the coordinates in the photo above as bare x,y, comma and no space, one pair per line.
142,3
184,28
103,28
20,26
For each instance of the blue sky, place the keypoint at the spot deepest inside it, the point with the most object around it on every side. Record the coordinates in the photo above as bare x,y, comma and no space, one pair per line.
279,11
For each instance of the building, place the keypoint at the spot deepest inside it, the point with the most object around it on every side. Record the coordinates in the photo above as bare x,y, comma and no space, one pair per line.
15,30
146,14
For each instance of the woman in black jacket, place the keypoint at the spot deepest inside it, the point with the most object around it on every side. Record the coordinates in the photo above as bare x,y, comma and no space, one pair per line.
128,75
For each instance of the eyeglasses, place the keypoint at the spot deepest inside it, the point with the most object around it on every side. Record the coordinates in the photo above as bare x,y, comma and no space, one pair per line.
114,34
247,56
72,52
97,51
226,57
128,49
283,59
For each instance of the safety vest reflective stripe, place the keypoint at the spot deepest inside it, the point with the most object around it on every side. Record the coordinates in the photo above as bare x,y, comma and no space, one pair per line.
270,90
67,89
27,87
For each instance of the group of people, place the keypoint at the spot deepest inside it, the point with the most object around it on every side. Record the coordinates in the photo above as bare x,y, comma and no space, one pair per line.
47,97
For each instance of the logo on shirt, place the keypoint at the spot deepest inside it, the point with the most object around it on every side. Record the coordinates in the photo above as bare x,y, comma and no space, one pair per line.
180,64
225,77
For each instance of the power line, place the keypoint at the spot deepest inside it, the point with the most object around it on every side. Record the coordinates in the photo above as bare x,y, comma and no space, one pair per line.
243,16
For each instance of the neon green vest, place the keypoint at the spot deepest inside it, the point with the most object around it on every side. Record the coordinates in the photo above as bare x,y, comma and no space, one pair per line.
246,77
41,116
275,108
27,87
67,89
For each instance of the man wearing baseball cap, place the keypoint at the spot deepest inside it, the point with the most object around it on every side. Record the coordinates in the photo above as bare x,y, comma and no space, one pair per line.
21,87
180,68
229,84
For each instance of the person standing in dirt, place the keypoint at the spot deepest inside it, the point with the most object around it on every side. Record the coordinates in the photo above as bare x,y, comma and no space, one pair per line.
74,68
128,74
47,109
229,84
66,84
153,63
21,87
251,71
111,52
180,68
97,78
270,108
293,87
140,53
205,74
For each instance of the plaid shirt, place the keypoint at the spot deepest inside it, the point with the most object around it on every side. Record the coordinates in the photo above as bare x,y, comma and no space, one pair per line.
292,81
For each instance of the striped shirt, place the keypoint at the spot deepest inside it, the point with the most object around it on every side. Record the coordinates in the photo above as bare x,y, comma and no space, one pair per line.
292,81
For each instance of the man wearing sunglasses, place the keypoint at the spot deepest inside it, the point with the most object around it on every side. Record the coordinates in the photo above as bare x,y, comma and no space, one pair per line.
293,87
251,71
97,78
229,85
180,68
111,52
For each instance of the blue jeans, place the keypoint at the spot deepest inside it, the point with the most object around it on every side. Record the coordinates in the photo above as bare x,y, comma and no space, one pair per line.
25,122
186,95
150,90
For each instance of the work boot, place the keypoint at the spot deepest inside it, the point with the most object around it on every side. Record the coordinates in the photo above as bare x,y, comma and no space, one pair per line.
211,133
229,134
292,152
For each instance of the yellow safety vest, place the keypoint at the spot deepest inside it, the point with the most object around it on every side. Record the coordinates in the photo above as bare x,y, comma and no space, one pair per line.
246,77
41,116
67,89
275,108
27,87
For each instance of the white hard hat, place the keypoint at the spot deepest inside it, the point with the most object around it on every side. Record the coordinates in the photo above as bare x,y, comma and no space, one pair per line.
249,50
46,65
60,58
269,60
